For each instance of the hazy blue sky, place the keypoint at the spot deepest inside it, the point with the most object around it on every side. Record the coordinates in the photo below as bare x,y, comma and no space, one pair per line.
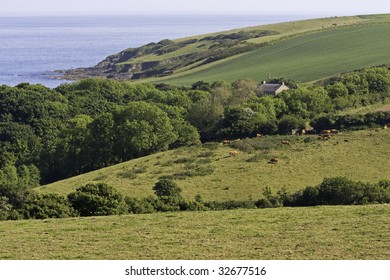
111,7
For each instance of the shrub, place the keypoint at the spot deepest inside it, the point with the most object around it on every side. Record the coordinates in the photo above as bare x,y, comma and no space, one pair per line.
340,191
5,208
166,203
264,203
192,205
137,206
97,200
47,206
167,188
306,197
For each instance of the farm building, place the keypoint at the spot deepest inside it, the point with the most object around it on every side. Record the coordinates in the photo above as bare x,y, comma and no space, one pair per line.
272,89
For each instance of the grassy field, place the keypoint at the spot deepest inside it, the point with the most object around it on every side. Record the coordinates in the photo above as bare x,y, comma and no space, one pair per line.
304,58
348,232
305,50
208,169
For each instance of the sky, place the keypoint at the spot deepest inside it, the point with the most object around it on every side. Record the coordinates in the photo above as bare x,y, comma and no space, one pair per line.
129,7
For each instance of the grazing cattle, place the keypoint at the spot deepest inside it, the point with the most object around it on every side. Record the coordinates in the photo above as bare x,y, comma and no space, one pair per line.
298,131
273,160
311,131
385,126
233,153
259,135
325,136
226,142
286,142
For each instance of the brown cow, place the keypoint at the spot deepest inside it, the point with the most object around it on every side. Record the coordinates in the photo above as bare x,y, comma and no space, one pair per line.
286,142
273,160
233,153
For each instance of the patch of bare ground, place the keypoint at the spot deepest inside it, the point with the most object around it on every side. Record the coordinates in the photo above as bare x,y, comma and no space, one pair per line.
384,109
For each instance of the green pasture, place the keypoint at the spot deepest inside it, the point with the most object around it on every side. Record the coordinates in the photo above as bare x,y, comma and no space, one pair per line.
208,169
342,232
303,58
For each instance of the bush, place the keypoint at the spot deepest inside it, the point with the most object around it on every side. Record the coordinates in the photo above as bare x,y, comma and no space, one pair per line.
264,203
137,206
192,205
167,188
5,208
97,200
340,191
306,197
47,206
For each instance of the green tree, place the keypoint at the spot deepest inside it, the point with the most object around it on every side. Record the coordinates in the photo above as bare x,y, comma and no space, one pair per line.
167,187
97,200
46,206
140,129
243,90
100,142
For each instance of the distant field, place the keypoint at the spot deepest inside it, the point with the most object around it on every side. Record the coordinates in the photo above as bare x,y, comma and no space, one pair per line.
347,232
304,58
360,155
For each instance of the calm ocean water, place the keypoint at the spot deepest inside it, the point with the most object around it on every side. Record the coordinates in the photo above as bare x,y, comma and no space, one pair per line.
32,47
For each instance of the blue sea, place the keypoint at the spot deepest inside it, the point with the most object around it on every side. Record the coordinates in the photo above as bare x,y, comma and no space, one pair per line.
31,48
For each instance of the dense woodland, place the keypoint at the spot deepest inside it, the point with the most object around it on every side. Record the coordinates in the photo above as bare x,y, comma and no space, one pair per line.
51,134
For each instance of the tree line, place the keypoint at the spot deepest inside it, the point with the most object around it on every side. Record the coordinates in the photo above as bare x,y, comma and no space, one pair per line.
102,200
51,134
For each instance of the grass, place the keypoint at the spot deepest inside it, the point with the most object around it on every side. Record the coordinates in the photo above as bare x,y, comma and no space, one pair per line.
208,169
305,50
303,58
342,232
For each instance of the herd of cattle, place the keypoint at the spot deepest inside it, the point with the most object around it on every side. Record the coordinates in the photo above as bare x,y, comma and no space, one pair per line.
322,135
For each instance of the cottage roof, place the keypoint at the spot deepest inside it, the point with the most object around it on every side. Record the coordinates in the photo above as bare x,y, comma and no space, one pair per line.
271,88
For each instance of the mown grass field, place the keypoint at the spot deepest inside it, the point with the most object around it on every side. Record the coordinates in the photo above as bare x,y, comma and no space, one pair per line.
305,50
208,169
303,58
342,232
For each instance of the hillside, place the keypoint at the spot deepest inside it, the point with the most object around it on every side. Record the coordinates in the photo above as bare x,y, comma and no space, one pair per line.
286,49
208,169
342,232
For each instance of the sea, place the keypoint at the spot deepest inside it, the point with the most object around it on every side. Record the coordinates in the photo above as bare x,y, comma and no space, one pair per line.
32,48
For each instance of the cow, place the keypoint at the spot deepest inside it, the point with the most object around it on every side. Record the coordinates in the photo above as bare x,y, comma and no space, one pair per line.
259,135
226,142
326,131
385,126
233,153
325,136
334,131
273,160
286,142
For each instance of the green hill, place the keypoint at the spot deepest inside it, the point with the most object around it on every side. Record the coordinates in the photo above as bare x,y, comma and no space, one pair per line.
304,50
304,58
342,232
208,169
